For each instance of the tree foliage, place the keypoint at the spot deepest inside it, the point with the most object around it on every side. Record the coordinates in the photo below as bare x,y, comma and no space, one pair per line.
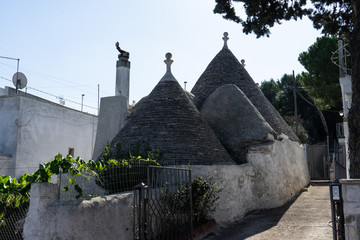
301,131
334,17
321,81
280,94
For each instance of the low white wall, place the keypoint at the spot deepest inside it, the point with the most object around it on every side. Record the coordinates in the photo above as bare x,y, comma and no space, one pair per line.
274,174
99,218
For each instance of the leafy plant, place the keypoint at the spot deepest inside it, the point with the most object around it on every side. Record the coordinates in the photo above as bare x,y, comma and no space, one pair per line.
205,193
14,193
118,153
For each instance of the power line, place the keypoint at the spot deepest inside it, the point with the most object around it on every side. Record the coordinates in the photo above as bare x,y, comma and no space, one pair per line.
91,89
52,95
63,98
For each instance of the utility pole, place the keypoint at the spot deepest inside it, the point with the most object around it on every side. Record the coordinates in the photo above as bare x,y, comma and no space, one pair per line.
82,101
98,99
295,103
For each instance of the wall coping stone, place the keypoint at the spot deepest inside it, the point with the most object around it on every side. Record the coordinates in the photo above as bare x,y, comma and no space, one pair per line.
349,181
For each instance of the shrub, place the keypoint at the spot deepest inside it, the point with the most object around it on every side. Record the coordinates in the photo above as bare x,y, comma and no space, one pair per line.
205,193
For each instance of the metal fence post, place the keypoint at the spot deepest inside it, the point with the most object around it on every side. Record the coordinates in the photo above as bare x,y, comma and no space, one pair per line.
141,212
337,213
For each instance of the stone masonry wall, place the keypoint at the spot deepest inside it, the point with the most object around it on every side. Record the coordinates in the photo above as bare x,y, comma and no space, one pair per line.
274,174
99,218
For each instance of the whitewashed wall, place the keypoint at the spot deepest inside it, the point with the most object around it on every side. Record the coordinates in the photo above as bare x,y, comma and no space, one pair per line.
9,114
107,217
274,174
34,131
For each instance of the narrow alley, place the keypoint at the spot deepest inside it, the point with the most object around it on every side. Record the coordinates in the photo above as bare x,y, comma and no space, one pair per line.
307,218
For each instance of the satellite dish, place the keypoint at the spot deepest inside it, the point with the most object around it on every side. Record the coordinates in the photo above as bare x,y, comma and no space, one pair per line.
19,79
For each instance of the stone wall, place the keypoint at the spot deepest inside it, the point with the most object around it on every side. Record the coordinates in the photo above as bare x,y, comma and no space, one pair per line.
351,197
99,218
274,174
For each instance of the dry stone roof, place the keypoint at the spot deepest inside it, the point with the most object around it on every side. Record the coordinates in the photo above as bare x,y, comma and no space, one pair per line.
226,69
236,121
168,121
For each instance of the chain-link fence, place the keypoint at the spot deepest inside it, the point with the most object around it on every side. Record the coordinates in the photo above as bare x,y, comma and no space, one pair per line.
12,222
111,180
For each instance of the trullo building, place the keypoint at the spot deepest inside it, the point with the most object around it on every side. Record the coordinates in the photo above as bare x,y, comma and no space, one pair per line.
225,128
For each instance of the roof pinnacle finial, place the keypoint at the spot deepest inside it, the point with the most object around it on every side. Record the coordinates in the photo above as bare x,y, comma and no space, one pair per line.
168,75
225,38
168,61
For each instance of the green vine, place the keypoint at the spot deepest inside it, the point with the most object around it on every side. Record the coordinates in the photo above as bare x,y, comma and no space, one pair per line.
14,193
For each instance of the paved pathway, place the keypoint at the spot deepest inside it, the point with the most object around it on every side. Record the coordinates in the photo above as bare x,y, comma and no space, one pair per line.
307,218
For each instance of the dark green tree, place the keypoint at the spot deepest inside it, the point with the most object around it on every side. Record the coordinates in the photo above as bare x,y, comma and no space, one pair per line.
271,91
341,18
321,81
280,94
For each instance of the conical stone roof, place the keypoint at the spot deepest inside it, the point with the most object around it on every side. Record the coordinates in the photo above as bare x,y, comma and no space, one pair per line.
226,69
236,121
168,121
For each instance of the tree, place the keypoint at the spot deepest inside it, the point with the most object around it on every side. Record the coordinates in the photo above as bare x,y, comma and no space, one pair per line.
280,94
339,17
321,81
271,91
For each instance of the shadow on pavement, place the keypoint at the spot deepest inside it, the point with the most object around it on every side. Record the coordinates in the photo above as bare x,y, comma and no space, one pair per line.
256,222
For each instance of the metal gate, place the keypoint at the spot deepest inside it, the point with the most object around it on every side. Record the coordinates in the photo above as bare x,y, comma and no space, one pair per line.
162,206
318,162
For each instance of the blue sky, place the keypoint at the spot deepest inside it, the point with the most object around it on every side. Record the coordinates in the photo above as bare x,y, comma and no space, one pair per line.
66,48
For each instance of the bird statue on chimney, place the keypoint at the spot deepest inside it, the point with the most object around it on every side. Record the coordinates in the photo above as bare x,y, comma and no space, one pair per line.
123,53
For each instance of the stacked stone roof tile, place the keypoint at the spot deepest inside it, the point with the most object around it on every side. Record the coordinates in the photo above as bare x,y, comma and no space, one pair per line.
168,121
226,69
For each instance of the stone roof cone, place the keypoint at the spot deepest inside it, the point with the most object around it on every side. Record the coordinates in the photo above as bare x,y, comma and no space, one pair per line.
236,121
168,121
226,69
